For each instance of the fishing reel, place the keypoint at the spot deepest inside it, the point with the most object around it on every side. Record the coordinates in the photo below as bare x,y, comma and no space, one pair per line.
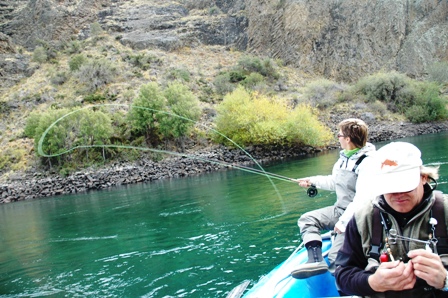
312,191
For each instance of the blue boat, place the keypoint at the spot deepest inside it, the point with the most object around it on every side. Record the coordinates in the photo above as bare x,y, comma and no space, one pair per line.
280,283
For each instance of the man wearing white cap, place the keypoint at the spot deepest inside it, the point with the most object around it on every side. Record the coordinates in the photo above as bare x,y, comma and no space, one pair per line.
397,246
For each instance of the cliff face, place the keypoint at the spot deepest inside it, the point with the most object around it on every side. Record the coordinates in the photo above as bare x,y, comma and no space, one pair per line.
340,39
348,38
29,21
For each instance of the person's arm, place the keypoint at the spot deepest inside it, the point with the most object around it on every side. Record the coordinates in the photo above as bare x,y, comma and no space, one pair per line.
350,275
320,181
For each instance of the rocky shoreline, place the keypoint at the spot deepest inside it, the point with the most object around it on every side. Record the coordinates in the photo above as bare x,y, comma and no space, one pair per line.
33,186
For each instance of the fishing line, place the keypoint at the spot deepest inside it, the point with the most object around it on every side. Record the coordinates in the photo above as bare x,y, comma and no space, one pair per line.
261,171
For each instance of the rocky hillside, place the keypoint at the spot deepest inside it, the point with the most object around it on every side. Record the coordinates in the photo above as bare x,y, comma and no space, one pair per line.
340,40
350,38
337,39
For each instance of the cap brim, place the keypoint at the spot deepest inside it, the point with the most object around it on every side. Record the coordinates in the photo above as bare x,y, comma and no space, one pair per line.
396,182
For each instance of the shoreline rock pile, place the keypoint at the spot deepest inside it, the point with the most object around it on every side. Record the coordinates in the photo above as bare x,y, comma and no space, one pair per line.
143,171
34,186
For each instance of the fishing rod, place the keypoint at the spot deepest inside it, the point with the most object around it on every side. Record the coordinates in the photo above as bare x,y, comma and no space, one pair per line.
311,191
257,171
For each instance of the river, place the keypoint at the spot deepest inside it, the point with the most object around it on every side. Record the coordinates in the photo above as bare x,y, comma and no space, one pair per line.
189,237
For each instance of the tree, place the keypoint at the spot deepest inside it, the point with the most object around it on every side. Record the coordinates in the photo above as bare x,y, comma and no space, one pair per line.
146,111
185,107
95,128
55,139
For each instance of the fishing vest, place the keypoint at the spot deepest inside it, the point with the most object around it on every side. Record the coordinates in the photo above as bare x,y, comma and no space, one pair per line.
345,185
371,228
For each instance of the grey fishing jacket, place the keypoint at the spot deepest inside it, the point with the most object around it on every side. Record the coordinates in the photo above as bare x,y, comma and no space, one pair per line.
343,180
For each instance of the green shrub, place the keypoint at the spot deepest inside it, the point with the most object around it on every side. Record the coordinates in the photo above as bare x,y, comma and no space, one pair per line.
12,158
94,98
76,62
236,76
40,55
418,101
95,29
4,107
146,109
73,47
214,10
181,102
438,72
176,74
322,93
428,104
59,78
252,80
378,108
82,127
96,73
304,128
50,49
254,119
31,124
222,84
382,86
417,114
265,67
95,128
56,139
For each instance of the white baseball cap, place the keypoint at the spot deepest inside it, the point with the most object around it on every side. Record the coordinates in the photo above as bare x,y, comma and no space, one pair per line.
394,168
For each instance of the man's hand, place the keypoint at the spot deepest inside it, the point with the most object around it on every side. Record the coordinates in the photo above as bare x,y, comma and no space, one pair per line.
429,267
393,276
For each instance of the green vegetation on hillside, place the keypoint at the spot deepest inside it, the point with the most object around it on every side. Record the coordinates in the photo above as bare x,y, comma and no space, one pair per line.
150,102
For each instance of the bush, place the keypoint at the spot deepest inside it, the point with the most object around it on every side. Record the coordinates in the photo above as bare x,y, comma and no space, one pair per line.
236,76
222,84
175,74
181,102
142,60
95,29
252,80
417,114
265,67
146,109
95,74
56,139
95,128
32,122
419,101
83,127
40,55
304,128
322,93
254,119
59,78
73,47
382,86
438,72
428,105
13,158
76,62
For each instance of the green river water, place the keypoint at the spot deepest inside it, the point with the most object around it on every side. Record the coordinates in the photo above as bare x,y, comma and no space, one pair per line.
190,237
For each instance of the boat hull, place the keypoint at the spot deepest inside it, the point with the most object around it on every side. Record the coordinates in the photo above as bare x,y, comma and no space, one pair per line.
280,283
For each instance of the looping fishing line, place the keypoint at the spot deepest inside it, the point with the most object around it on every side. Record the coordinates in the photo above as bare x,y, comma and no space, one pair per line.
262,172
